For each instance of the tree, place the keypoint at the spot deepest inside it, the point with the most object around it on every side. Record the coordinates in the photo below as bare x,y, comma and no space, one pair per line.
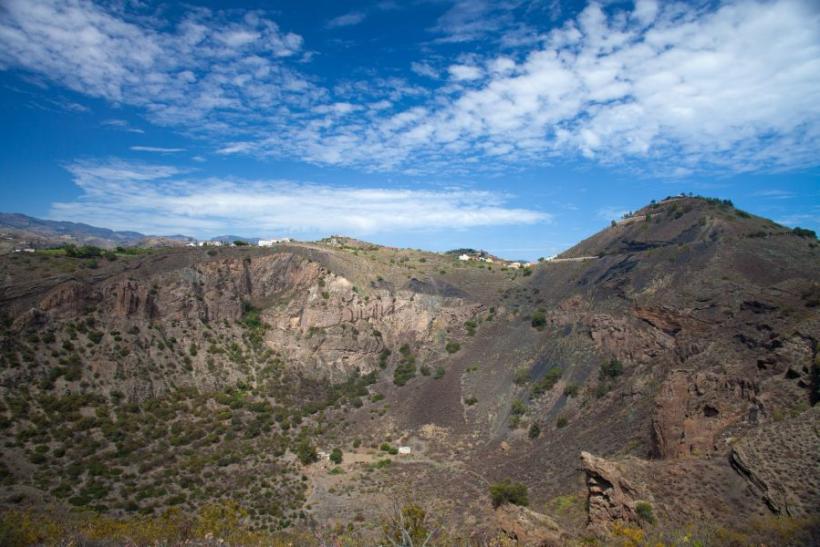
534,431
336,456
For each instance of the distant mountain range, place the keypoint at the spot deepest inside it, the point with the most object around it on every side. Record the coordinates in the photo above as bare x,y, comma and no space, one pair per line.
19,230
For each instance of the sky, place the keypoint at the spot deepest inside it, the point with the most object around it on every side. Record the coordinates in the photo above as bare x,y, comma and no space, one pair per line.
516,127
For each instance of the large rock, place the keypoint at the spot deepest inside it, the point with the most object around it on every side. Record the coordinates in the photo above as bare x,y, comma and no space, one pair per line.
526,527
611,497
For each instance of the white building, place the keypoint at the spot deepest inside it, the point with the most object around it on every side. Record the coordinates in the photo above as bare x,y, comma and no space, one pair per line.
272,242
464,258
514,265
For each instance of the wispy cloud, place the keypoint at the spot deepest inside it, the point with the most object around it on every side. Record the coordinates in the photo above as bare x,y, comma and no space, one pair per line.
164,199
424,69
612,212
774,194
122,125
346,20
157,149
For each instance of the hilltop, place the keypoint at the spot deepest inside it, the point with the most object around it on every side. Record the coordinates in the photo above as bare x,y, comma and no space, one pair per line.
662,383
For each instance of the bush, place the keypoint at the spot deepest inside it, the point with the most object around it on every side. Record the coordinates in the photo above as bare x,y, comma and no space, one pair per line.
534,432
561,422
644,511
404,373
547,382
611,370
470,401
407,526
539,319
803,232
439,373
452,346
509,492
336,456
306,452
571,390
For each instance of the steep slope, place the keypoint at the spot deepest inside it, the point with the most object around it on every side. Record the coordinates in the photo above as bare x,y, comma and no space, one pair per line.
672,352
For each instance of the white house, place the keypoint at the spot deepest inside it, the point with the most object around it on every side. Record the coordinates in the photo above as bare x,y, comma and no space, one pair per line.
272,242
514,265
464,258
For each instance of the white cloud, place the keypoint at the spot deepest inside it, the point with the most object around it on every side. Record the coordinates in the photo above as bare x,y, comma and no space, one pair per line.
163,199
424,69
180,75
669,89
469,20
461,73
346,20
158,149
122,125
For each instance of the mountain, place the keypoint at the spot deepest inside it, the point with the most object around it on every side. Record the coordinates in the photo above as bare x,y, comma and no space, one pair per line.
38,232
21,231
658,380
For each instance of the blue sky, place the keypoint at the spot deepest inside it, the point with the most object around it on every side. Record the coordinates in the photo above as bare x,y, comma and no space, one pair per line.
518,127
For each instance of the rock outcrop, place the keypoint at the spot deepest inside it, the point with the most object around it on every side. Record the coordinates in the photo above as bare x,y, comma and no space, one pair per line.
611,497
527,527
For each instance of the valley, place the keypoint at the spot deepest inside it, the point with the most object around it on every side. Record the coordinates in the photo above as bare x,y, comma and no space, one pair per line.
656,383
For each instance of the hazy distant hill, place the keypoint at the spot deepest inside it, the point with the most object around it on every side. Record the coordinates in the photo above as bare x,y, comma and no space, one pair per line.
18,230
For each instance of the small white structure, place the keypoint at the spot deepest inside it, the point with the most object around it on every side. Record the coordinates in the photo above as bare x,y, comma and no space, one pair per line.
404,450
272,242
464,258
514,265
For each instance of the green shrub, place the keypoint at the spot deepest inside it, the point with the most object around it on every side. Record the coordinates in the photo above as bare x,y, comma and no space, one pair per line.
404,373
804,232
571,390
439,373
336,456
509,492
521,376
611,370
470,326
561,422
470,401
452,346
539,319
644,511
534,432
383,357
547,382
306,452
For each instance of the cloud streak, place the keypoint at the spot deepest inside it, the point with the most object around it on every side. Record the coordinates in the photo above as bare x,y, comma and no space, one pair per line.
164,199
157,149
